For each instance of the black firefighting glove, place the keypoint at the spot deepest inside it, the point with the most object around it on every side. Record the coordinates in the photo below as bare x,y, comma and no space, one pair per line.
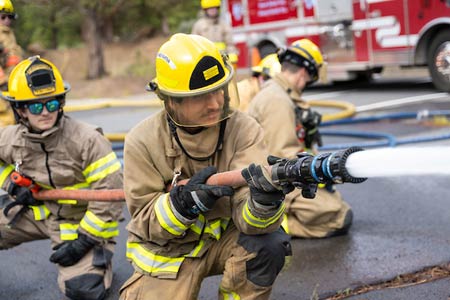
70,252
197,197
261,190
22,195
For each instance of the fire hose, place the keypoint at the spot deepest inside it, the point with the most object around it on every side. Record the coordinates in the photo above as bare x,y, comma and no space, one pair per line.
304,172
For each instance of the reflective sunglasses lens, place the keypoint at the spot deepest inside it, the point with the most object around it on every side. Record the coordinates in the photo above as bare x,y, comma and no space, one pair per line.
4,17
35,108
52,105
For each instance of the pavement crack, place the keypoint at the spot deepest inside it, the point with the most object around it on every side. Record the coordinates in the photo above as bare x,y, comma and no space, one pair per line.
425,275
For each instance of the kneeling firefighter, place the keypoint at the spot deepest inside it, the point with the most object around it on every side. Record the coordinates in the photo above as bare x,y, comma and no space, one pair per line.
291,126
48,150
179,237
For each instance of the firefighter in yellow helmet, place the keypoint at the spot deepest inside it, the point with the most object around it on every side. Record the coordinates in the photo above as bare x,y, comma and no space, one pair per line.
290,126
211,26
10,55
179,236
54,151
249,87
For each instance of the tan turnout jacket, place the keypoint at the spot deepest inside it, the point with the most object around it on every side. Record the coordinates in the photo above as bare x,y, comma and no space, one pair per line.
72,155
216,31
152,156
274,108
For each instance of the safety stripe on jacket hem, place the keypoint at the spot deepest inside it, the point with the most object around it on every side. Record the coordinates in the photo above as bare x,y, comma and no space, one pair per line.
97,227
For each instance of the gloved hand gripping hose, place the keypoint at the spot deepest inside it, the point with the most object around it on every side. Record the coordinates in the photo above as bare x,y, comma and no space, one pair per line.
307,171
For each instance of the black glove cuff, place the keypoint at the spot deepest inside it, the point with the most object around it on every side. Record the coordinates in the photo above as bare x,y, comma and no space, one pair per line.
185,207
87,241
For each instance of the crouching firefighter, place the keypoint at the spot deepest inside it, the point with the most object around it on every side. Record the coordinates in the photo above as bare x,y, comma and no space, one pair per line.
179,237
291,127
49,150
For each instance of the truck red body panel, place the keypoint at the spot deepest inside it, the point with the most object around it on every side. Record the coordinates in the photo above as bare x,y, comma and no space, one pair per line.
356,36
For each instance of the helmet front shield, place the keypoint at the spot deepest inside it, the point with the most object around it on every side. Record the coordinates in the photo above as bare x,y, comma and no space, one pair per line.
205,109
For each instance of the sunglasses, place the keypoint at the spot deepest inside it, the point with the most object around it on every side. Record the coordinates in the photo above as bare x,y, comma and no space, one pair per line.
4,17
37,107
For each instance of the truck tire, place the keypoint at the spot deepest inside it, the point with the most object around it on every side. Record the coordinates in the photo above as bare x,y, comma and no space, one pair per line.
439,61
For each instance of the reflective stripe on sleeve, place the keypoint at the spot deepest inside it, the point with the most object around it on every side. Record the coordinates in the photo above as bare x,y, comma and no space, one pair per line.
41,212
97,227
166,217
102,168
5,170
258,222
68,231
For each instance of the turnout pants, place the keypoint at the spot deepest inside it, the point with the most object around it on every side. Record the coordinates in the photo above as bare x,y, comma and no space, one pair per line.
80,281
249,264
324,216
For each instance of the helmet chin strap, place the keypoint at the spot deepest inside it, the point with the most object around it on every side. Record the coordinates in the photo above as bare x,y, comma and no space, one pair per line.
173,130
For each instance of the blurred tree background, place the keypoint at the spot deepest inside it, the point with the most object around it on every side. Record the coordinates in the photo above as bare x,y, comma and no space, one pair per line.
57,24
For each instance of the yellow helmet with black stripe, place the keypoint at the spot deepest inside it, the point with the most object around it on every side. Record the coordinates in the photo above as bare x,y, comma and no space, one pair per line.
189,67
33,79
303,53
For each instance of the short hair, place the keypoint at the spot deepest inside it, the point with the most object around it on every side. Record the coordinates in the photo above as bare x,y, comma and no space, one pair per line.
290,67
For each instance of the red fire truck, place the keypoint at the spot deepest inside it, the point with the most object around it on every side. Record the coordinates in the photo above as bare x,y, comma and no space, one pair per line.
357,37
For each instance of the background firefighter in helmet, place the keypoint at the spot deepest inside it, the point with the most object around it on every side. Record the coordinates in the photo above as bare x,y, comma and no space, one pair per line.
10,55
290,126
178,238
249,87
211,26
56,151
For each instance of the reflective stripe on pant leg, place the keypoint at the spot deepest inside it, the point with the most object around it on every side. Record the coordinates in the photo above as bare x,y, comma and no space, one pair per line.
271,250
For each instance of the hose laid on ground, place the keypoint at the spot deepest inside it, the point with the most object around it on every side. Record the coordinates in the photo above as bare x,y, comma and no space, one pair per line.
391,116
348,109
389,140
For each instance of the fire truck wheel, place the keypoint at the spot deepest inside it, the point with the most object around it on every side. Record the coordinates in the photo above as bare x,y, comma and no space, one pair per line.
439,61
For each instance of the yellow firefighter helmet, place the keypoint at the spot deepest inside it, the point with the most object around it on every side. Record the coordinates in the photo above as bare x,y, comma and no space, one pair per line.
33,79
205,4
189,66
6,7
303,53
268,66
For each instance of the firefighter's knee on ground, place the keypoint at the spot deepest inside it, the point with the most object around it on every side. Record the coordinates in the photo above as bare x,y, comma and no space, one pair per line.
86,287
271,250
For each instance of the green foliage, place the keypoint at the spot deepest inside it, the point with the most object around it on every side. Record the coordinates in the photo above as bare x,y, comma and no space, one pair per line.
58,23
142,67
47,22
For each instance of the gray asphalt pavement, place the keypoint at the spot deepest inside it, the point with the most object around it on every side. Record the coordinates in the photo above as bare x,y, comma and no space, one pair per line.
401,224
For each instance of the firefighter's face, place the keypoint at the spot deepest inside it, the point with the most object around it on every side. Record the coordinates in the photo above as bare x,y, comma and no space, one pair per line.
6,19
302,79
43,120
212,12
202,110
